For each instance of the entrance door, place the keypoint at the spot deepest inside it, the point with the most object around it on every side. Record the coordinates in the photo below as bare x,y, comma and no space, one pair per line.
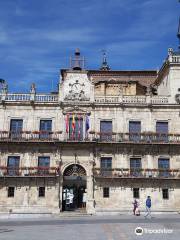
74,188
73,197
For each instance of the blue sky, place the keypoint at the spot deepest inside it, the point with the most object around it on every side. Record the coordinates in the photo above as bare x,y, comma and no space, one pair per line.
38,36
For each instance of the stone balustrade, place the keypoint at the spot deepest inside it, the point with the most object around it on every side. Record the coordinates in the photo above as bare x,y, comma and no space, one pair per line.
132,99
17,97
136,173
54,98
46,98
175,59
22,97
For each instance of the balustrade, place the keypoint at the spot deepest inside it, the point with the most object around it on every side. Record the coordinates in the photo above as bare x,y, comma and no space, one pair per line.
22,97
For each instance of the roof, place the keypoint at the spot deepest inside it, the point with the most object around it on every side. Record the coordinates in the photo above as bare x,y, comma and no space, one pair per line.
143,77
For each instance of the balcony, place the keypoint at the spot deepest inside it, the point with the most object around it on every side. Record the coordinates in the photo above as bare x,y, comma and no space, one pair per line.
128,99
137,173
96,137
27,97
30,136
29,172
138,138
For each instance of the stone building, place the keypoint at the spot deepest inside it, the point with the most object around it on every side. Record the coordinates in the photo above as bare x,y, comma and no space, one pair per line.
105,138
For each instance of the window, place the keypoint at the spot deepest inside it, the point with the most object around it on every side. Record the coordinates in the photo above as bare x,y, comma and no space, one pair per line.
135,166
76,128
16,126
134,130
106,130
11,191
106,162
13,165
106,166
163,165
45,128
105,192
43,165
41,191
165,193
162,131
135,192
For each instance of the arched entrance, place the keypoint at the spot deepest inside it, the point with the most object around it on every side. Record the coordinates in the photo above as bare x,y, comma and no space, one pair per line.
74,188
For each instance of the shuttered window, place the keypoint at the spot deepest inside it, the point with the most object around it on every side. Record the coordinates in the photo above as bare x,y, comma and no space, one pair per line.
162,131
106,163
134,130
16,127
164,166
135,166
13,165
45,128
106,130
106,166
43,165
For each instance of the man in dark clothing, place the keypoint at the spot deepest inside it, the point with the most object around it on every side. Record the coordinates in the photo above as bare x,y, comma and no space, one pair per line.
135,204
148,207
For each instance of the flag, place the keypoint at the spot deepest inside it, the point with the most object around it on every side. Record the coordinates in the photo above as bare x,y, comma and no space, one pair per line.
79,128
73,125
87,123
67,123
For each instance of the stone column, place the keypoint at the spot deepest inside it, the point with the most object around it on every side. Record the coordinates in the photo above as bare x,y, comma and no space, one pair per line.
90,204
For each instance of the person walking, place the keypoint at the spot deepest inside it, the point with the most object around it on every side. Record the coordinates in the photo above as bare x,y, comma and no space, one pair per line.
148,207
135,205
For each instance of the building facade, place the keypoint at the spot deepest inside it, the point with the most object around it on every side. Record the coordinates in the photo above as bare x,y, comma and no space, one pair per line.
105,138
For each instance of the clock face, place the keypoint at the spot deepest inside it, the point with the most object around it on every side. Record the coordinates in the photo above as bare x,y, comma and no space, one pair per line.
76,87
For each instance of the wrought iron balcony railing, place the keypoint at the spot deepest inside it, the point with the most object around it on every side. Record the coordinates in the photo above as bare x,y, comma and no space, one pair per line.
101,137
28,171
137,173
30,136
146,137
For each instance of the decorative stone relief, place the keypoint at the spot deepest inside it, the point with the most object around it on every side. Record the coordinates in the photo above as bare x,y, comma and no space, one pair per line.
177,98
76,92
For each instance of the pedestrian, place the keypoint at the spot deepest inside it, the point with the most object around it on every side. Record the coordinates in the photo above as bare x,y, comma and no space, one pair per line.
135,205
148,207
84,199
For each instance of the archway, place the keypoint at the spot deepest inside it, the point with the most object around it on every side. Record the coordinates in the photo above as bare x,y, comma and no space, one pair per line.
74,188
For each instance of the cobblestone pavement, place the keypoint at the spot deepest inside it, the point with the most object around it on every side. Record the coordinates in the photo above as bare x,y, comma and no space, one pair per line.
91,228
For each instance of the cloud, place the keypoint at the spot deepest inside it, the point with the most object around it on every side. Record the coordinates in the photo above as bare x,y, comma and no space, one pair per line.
37,37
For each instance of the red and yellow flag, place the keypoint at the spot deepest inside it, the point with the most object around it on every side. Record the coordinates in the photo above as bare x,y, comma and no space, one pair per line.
73,124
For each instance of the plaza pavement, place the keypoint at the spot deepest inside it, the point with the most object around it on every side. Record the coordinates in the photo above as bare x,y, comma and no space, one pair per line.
120,227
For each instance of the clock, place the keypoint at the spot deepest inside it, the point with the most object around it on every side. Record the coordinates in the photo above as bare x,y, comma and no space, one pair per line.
76,87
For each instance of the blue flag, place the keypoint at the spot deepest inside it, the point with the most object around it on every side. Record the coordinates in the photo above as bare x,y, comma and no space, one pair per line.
87,123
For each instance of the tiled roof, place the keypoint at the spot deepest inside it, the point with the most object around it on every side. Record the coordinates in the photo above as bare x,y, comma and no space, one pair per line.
144,77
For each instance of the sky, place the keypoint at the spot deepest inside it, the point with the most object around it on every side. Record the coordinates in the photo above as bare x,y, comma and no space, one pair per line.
37,37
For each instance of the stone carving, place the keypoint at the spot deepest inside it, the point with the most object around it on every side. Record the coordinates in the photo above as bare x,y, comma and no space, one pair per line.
76,92
33,88
177,98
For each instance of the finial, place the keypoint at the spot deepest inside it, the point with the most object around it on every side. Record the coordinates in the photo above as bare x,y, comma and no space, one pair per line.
178,34
104,65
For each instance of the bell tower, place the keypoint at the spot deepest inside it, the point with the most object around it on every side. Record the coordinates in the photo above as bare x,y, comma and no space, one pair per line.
77,62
